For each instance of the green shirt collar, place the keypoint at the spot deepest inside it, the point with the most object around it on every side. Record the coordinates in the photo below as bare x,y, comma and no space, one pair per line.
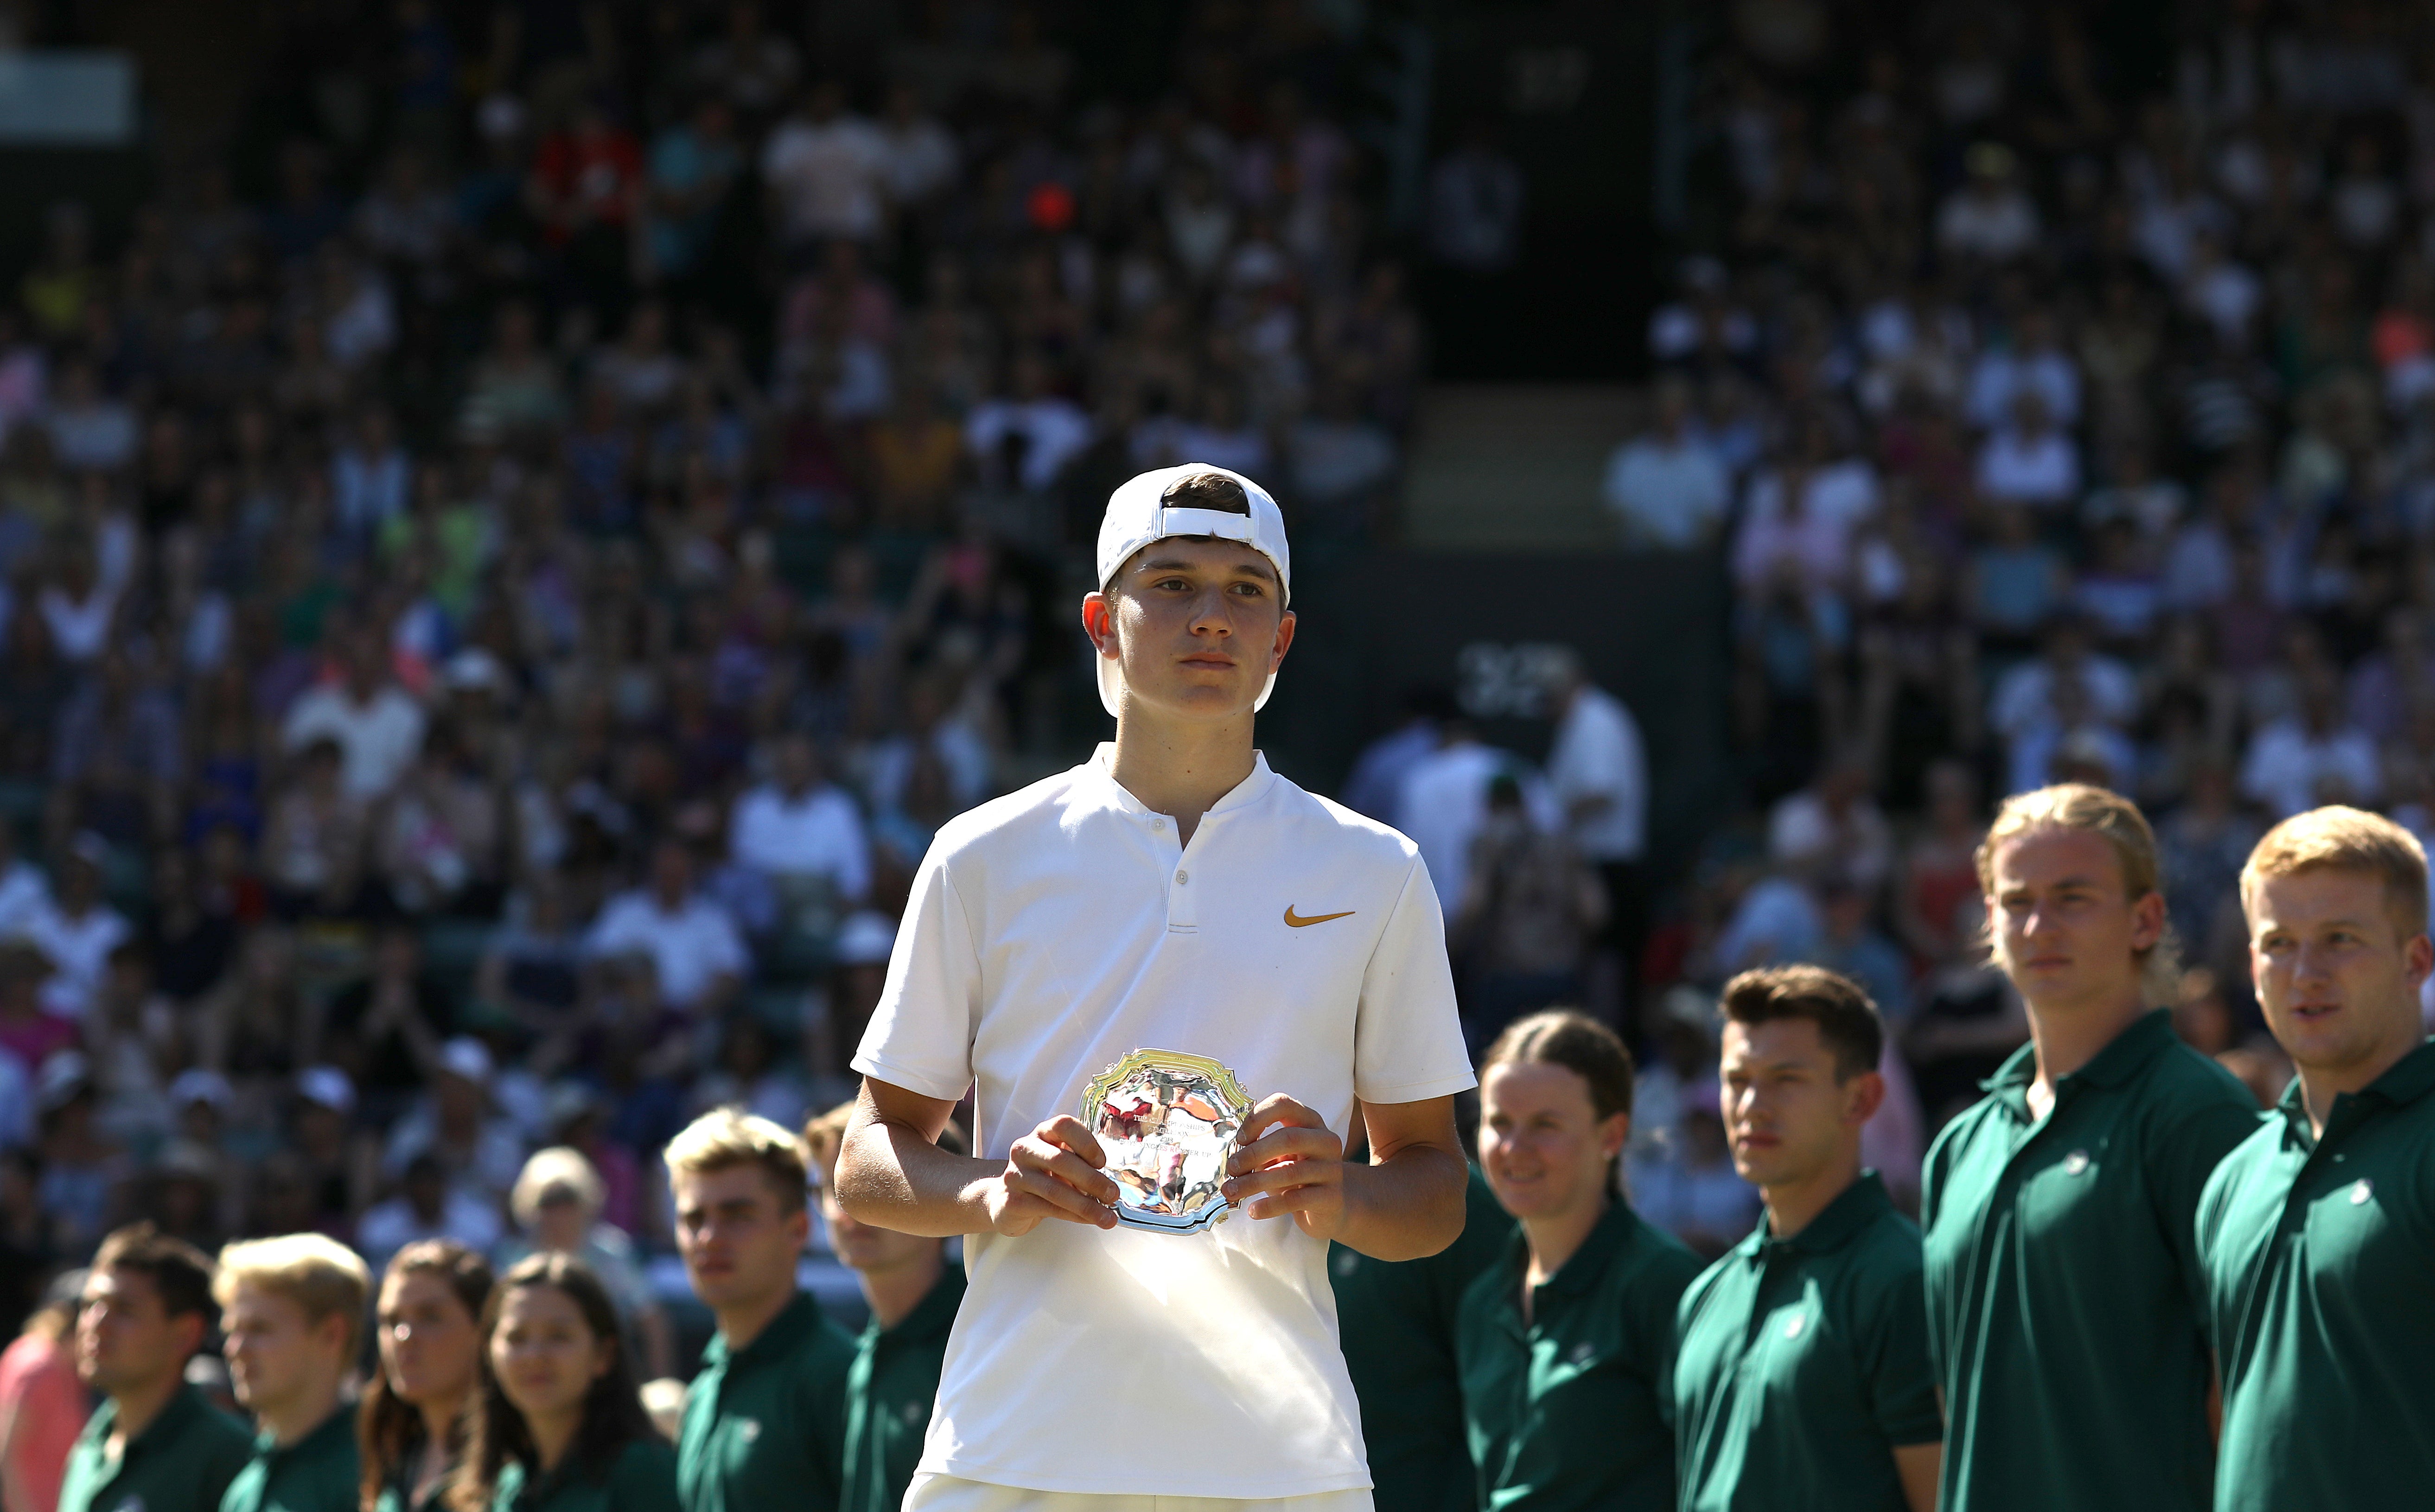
1854,1208
795,1322
931,1317
1580,1272
173,1417
338,1427
2146,1037
2405,1081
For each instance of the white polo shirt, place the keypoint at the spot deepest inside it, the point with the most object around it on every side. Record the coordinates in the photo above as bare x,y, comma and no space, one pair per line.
1052,931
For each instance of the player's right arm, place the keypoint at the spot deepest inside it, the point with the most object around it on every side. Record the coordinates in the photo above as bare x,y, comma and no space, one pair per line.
891,1172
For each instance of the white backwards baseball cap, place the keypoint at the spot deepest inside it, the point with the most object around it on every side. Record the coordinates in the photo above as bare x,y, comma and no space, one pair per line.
1140,512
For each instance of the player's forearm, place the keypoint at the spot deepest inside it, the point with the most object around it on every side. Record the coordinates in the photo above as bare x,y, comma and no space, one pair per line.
889,1175
1408,1206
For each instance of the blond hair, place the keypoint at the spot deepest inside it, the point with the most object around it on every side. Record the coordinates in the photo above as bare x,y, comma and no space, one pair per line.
2346,840
2097,811
559,1168
314,1271
727,1136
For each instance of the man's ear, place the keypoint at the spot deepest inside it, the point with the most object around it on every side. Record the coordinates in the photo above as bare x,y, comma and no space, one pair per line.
1099,622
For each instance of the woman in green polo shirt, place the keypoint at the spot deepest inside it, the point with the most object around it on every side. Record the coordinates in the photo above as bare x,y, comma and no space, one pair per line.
558,1425
1564,1347
411,1427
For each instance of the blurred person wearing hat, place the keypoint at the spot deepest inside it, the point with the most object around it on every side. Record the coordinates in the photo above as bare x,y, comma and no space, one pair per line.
42,1405
77,931
81,1168
1172,890
156,1443
456,1121
557,1204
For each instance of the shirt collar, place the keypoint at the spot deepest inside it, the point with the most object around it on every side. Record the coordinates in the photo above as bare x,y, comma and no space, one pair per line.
1102,766
339,1426
164,1425
1587,1263
2146,1037
2405,1081
1854,1208
794,1321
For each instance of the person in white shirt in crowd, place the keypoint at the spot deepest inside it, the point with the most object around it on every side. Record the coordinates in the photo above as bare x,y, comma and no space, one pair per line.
1024,440
800,828
2312,757
2026,694
1991,219
24,891
427,1206
377,725
1833,823
1597,773
371,476
1444,800
920,158
1668,488
90,431
76,931
2029,462
456,1121
1375,786
2033,362
697,953
1171,892
825,171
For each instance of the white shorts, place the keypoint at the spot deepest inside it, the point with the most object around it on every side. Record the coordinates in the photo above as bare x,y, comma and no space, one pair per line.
945,1493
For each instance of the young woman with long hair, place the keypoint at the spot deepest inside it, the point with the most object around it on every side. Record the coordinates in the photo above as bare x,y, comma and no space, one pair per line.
557,1424
411,1426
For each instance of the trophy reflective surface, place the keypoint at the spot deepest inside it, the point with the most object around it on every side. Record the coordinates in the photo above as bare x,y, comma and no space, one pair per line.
1166,1123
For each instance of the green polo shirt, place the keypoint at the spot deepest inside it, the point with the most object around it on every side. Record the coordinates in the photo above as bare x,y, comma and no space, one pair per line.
398,1495
765,1425
888,1393
317,1473
1574,1409
1800,1363
182,1461
2063,1290
2319,1257
642,1478
1397,1319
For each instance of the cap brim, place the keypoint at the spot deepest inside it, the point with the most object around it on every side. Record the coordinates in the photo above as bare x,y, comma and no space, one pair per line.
1112,686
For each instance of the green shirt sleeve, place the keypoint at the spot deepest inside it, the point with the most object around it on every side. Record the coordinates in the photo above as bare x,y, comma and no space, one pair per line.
1901,1380
645,1478
2185,1155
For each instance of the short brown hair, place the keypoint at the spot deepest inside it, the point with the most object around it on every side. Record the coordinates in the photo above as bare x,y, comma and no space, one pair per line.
179,1271
1847,1021
1207,491
727,1136
1562,1036
824,1139
2347,840
314,1271
2097,811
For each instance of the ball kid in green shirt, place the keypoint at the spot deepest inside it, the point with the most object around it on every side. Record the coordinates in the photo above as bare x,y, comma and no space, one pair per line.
428,1326
1801,1373
155,1444
291,1311
2064,1292
2317,1233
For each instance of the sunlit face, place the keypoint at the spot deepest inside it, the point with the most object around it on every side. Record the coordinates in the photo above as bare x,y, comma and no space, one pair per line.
428,1342
2337,974
2066,930
543,1353
278,1354
868,1249
1541,1145
739,1242
125,1336
1787,1117
1199,624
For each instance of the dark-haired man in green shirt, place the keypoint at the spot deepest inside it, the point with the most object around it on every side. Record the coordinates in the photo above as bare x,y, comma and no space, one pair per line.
2064,1292
155,1445
2317,1233
1801,1373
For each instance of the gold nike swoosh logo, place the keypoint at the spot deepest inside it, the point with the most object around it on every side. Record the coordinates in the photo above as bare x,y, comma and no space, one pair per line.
1295,921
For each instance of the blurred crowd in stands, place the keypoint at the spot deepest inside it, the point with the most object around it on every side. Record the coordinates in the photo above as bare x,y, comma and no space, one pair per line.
503,571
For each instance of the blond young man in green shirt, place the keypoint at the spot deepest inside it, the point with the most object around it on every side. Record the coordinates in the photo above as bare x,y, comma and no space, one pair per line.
292,1310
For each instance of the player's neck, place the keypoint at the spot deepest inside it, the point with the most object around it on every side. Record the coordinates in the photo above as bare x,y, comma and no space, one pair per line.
2320,1085
292,1420
896,1291
1792,1205
2069,1034
1181,769
1556,1238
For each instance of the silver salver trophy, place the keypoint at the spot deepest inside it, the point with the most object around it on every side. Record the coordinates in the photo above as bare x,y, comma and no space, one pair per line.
1166,1123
